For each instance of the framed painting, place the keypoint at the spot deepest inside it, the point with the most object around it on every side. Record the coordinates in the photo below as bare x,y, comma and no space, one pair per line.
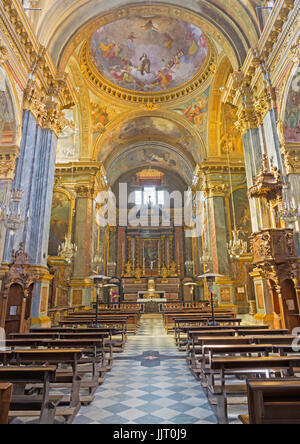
151,254
61,220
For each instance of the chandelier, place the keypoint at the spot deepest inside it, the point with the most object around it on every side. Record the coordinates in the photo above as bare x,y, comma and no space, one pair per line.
13,220
289,213
205,259
67,249
98,261
236,246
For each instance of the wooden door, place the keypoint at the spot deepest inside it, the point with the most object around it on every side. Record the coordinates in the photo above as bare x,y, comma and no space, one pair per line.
290,305
14,309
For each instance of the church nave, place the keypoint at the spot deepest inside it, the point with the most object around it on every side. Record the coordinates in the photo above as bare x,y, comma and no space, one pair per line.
159,387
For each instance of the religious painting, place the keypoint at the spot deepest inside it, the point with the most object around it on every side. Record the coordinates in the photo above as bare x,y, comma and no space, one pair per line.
149,55
292,114
241,207
151,253
230,136
152,156
196,112
101,115
7,117
59,225
149,126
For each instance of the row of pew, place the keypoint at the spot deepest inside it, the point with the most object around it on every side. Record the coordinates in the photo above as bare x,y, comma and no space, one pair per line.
239,365
49,374
88,318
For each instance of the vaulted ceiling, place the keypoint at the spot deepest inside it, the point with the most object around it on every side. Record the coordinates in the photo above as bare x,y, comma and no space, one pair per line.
148,75
231,21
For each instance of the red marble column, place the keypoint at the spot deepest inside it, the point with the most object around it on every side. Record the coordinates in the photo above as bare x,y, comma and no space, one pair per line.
179,249
121,250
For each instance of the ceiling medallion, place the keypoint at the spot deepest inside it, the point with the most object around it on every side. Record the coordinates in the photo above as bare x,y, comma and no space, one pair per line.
148,60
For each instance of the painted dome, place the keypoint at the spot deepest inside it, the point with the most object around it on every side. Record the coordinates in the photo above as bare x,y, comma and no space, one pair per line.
148,54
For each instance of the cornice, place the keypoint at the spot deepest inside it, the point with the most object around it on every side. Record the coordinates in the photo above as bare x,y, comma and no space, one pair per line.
83,172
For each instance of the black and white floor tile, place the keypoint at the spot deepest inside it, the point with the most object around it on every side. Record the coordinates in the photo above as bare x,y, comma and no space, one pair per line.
149,384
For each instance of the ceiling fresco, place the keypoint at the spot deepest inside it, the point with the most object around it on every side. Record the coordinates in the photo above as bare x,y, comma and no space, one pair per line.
155,128
149,54
159,157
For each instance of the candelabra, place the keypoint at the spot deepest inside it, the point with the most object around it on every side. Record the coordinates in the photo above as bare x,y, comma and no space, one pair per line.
13,220
99,284
210,280
67,249
237,247
205,259
289,213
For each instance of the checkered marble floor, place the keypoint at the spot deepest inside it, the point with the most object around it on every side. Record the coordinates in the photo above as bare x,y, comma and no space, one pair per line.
149,384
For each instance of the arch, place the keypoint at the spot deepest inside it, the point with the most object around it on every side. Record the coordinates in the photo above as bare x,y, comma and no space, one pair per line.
164,157
189,142
217,132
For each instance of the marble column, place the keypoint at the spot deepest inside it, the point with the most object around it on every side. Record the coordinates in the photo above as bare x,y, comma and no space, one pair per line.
35,177
7,172
112,264
83,238
121,251
218,234
253,152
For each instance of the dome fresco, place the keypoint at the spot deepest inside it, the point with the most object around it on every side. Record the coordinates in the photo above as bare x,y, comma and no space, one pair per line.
148,55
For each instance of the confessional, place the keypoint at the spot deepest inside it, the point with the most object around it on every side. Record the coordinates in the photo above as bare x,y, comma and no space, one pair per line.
16,295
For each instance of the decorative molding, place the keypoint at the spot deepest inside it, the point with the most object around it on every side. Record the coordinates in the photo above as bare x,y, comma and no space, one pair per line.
46,110
7,166
86,191
148,101
4,54
295,52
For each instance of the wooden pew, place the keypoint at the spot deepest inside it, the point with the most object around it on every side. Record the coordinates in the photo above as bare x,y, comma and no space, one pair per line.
273,402
258,332
186,329
89,318
22,405
219,391
58,357
115,330
104,336
5,399
92,354
197,340
170,316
